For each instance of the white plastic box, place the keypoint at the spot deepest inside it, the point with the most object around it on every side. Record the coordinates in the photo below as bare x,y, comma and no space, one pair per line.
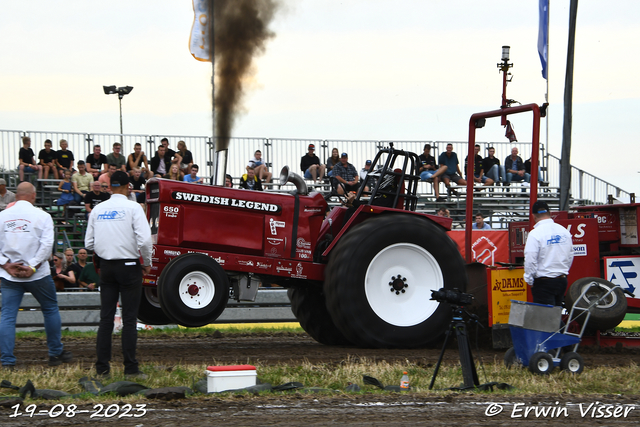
223,378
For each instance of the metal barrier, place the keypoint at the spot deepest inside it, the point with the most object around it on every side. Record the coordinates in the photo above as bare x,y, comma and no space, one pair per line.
81,310
278,152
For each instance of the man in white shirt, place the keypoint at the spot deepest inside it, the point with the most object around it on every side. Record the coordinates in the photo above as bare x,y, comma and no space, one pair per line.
119,234
548,255
26,239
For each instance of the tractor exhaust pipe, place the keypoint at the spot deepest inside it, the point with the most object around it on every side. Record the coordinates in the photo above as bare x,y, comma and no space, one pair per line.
287,176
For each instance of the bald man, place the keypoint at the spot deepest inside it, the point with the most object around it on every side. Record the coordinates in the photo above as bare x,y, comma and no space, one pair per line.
26,239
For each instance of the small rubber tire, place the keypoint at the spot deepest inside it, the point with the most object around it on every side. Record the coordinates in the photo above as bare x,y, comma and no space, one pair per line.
572,362
193,290
149,311
541,363
510,358
608,313
309,307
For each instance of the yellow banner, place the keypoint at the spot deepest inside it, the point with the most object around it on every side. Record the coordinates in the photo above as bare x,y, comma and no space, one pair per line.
505,285
199,38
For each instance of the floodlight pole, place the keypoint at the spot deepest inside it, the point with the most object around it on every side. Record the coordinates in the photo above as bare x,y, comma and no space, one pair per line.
120,96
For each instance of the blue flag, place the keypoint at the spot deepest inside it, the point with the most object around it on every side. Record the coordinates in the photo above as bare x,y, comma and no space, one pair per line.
543,30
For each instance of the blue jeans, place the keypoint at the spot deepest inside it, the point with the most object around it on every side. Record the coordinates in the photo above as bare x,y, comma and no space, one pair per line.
496,173
426,175
517,178
45,292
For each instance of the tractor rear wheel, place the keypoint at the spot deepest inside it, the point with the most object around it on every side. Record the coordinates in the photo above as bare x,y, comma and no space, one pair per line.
379,281
149,311
608,313
309,307
193,290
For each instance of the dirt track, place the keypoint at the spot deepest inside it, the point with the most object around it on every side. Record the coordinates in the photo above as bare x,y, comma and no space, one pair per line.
288,348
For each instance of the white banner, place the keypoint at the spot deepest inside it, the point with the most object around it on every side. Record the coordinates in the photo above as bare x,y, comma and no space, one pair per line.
199,38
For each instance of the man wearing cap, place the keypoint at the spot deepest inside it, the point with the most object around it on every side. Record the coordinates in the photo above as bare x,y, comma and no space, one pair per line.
346,175
548,255
6,196
119,234
429,172
310,165
364,172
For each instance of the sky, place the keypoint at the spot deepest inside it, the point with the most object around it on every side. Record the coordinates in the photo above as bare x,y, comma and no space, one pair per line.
335,69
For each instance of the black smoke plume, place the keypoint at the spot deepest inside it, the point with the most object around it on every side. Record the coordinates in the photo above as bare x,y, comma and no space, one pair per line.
240,32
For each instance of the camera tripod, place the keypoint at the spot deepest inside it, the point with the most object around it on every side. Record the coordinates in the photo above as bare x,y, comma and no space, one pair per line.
459,325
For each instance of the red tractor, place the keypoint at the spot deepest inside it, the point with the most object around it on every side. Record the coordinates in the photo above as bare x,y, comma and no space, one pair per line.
360,275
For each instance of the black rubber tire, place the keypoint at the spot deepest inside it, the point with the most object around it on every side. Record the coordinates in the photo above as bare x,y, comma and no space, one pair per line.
572,362
170,290
149,311
309,307
346,286
606,315
510,358
541,363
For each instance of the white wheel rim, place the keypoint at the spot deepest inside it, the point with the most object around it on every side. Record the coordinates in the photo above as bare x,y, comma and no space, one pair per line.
152,296
608,302
196,290
573,365
418,269
543,365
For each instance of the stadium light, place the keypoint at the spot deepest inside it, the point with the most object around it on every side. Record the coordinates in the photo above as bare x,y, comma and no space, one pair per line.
121,91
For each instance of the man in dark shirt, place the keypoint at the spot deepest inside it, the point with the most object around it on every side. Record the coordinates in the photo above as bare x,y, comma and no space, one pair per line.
159,163
310,165
346,175
478,172
138,181
428,171
492,167
450,160
27,159
47,159
64,157
170,155
250,181
514,168
94,197
95,161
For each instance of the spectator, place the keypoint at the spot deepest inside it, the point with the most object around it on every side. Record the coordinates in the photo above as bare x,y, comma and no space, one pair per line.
187,158
66,188
138,181
228,181
89,278
192,177
310,165
332,161
159,164
97,162
514,168
64,157
345,175
478,172
72,267
137,159
527,169
428,171
81,263
174,173
130,194
364,172
96,196
492,167
105,178
444,212
47,159
29,246
170,155
480,224
260,168
81,182
117,158
250,181
27,160
59,272
452,173
6,196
